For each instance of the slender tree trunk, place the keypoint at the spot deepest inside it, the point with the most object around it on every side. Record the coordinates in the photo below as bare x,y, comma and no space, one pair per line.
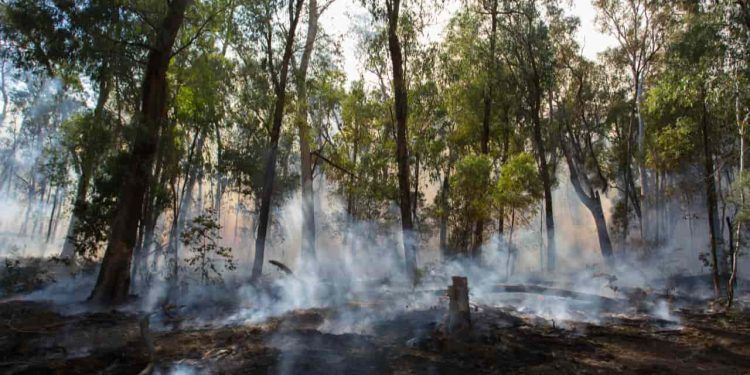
37,210
351,203
52,214
549,218
183,209
415,196
3,92
737,236
113,282
149,217
220,179
626,214
36,228
79,206
400,104
306,174
444,203
642,176
278,116
713,225
486,119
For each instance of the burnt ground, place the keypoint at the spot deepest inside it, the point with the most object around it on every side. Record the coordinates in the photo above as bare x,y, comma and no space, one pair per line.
35,339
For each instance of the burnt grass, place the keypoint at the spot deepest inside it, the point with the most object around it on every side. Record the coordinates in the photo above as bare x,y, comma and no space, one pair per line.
35,339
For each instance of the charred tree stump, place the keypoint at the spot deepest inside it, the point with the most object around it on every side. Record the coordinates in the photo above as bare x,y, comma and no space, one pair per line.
459,314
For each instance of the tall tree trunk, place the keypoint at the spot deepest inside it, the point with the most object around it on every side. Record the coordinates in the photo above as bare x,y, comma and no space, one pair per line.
593,203
546,184
183,209
642,175
351,203
400,104
52,214
113,282
36,228
415,196
3,92
221,181
711,201
278,116
486,119
149,217
306,174
737,236
444,208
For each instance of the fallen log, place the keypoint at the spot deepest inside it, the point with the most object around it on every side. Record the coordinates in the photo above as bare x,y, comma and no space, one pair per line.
282,267
605,302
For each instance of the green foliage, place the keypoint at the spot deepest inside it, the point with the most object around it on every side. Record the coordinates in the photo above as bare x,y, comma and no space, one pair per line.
201,236
470,188
363,153
519,186
87,137
673,145
201,97
94,217
685,95
740,196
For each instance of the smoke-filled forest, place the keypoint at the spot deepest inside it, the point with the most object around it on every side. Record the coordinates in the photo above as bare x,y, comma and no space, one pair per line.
374,186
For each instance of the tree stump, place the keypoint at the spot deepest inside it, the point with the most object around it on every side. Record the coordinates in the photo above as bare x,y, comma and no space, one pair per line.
459,314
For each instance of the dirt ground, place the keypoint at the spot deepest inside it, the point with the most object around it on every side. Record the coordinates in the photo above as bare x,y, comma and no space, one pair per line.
34,339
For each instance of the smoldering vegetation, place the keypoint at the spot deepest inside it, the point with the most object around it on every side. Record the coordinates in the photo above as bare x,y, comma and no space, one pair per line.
353,311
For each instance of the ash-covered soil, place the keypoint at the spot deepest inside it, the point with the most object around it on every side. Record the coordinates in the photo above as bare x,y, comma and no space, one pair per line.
35,339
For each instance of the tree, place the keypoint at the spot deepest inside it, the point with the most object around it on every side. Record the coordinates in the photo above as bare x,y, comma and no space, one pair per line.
640,27
201,237
113,282
517,191
530,51
303,128
400,104
585,137
685,102
470,201
279,81
491,7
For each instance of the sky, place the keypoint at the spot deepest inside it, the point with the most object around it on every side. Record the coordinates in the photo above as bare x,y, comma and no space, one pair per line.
341,17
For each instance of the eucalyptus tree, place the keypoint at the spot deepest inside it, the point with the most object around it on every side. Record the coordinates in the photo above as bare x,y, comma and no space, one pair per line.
464,88
278,72
492,8
359,155
314,11
583,116
691,118
529,51
113,282
737,39
392,13
641,29
200,102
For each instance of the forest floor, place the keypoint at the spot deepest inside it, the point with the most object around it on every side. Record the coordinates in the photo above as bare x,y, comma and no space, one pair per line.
35,337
